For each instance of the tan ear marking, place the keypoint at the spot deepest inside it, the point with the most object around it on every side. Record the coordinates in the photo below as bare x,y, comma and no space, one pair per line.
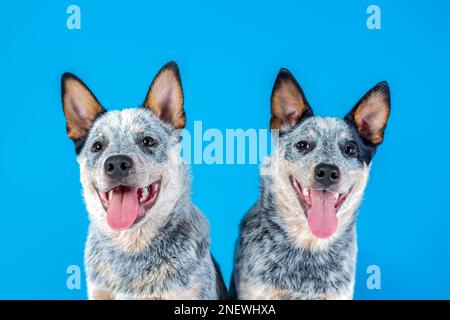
165,96
80,106
288,103
371,113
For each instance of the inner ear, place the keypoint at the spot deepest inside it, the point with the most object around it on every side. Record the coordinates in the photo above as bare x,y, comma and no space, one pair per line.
288,103
80,106
371,113
165,96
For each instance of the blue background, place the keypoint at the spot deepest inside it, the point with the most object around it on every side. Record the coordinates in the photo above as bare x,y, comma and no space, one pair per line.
229,54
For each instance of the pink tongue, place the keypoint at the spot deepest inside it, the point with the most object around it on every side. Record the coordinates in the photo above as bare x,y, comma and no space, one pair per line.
322,218
123,208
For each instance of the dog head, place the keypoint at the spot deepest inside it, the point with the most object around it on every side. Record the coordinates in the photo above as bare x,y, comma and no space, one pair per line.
327,160
127,158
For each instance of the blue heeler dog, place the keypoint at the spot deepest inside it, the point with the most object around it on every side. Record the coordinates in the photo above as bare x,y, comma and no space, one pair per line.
299,240
146,239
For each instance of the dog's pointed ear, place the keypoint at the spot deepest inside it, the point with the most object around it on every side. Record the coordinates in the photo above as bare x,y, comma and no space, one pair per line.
165,96
371,113
80,106
288,103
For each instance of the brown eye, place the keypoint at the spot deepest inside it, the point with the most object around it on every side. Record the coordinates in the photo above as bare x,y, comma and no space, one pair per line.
350,149
303,146
97,147
148,142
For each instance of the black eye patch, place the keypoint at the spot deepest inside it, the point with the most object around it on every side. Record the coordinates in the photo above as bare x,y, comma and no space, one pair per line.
365,151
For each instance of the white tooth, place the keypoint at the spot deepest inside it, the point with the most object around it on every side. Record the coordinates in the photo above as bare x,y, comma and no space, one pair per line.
144,194
336,196
305,192
110,194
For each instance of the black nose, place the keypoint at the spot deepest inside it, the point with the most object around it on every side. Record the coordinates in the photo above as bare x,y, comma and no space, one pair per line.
118,166
327,174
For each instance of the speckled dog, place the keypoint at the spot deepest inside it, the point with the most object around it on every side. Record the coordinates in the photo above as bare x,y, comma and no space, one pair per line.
299,239
146,239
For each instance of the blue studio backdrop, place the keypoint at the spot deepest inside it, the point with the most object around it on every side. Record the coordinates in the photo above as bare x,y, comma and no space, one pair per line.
229,54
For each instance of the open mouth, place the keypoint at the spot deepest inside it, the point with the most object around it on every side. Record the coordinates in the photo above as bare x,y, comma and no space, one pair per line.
320,207
125,206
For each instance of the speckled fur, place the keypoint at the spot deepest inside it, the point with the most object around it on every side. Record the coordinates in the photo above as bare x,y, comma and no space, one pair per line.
277,256
166,254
